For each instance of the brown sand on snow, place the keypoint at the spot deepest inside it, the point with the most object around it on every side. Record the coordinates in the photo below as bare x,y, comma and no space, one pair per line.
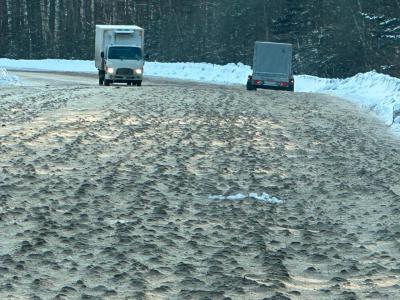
104,195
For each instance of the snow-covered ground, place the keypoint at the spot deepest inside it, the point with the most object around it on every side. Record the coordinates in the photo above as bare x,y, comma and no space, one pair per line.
373,91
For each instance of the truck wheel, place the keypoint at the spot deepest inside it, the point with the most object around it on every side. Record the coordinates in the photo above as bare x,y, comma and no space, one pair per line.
250,86
102,74
139,83
107,82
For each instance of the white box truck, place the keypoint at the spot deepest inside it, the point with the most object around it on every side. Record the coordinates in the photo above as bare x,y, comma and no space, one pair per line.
272,67
119,54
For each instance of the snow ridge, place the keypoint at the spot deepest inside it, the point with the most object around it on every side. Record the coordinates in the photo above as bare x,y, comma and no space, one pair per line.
372,91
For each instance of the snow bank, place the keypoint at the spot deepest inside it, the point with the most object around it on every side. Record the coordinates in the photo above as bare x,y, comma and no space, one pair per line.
264,197
7,79
377,92
373,91
210,73
57,65
203,72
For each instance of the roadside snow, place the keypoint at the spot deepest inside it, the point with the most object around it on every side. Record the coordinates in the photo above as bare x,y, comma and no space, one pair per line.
372,91
264,197
57,65
7,79
204,72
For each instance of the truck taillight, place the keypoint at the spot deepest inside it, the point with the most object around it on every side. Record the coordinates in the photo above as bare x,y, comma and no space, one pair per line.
257,82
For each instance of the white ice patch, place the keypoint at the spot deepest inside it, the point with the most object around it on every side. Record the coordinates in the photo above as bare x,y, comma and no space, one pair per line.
264,197
7,79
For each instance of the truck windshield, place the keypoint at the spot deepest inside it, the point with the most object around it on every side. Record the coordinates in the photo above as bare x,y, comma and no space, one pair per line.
132,53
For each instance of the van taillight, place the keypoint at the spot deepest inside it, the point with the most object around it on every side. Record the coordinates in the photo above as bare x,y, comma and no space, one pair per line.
284,83
257,82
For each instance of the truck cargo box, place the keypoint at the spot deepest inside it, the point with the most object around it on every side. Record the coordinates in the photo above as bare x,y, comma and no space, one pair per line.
272,66
119,54
128,35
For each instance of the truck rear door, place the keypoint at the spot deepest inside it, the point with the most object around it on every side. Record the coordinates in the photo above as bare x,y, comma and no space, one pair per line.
272,62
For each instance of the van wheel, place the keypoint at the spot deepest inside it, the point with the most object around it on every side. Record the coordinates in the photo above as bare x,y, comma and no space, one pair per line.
139,83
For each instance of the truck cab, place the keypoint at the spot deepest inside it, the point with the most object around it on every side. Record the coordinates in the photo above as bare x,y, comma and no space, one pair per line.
123,64
120,54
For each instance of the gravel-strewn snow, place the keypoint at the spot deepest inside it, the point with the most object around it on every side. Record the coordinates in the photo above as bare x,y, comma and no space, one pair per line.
373,91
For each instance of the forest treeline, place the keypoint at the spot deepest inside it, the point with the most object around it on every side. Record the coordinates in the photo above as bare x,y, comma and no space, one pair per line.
333,38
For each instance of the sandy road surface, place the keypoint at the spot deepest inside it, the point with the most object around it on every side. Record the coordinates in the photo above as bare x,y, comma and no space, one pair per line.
104,194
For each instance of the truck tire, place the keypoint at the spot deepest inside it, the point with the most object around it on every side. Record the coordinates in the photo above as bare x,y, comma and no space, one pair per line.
139,83
250,86
107,82
101,77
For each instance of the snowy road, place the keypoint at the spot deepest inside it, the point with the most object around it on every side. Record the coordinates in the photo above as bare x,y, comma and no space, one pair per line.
105,193
32,78
29,78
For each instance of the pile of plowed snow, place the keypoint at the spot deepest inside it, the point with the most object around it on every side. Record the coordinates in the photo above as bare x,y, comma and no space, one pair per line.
7,79
373,91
